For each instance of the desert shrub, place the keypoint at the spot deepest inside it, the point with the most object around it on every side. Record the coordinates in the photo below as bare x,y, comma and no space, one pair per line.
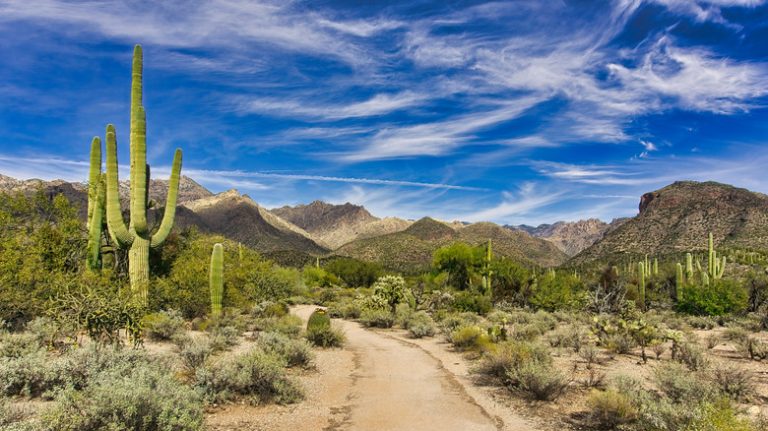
620,343
610,409
289,325
377,318
712,341
25,374
45,330
469,338
736,382
149,398
541,381
327,337
753,348
257,376
470,302
195,352
353,272
223,337
589,354
297,353
403,313
14,418
718,298
270,309
718,416
701,322
454,320
557,291
682,385
420,324
507,356
162,326
346,309
529,331
691,355
735,334
18,344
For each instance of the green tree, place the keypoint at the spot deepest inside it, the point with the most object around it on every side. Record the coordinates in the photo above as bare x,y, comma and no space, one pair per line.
461,261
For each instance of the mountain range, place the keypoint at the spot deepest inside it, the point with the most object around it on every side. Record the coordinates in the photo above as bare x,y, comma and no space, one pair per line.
673,219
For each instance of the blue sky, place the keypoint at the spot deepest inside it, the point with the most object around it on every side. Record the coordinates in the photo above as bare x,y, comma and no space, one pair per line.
513,112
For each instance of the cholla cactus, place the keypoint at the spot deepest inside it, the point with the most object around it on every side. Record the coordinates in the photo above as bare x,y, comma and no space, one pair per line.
216,279
136,236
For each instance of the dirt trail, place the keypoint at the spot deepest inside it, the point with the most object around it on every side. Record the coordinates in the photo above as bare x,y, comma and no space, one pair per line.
380,381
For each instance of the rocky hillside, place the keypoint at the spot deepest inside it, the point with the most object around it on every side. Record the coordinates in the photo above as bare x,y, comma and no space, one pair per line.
570,237
677,218
412,248
336,225
239,218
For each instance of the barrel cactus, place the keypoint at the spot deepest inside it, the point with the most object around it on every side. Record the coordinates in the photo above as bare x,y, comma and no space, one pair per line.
319,320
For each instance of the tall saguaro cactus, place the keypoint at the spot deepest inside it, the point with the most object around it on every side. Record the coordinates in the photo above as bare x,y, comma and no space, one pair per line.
136,236
95,221
487,270
715,265
216,279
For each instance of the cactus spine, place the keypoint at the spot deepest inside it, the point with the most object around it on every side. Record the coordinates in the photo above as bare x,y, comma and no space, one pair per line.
216,279
95,220
136,237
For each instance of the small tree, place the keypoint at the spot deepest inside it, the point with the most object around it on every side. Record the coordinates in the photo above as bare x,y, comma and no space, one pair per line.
460,261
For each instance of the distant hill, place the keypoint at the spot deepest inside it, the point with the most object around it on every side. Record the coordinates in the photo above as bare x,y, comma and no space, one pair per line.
412,248
570,237
336,225
239,218
678,217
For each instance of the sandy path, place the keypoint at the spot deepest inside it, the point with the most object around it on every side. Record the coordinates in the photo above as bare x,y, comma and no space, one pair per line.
379,381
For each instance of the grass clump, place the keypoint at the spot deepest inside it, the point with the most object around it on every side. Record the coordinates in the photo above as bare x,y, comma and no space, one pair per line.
539,380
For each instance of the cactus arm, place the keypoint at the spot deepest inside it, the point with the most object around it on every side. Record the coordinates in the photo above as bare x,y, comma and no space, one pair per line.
95,225
115,222
216,280
679,281
139,184
170,204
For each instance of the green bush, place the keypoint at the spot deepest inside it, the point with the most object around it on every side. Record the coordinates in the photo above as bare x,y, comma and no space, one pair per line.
149,398
719,298
325,337
195,352
162,326
267,309
256,376
296,353
540,381
377,318
508,356
610,409
289,325
719,416
470,338
681,385
345,309
736,382
420,324
470,302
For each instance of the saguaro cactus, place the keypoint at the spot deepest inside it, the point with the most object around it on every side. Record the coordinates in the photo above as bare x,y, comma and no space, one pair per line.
216,280
487,273
95,221
137,236
642,267
679,281
715,265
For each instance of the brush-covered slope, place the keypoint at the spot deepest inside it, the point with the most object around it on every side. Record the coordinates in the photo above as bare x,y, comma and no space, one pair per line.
239,218
677,218
570,237
412,248
335,225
